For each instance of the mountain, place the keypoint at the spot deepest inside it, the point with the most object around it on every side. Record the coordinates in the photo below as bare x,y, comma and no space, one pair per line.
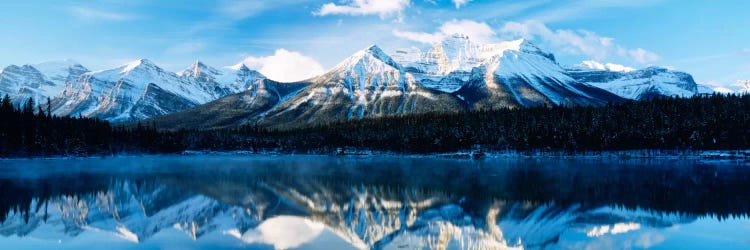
742,86
640,84
246,107
455,75
507,74
39,81
225,81
141,89
367,84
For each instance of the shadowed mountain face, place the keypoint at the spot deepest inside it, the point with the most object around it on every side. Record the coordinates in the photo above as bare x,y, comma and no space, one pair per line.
380,203
247,107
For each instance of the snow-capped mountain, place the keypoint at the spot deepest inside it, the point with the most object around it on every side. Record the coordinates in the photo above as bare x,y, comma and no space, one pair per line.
738,87
638,84
455,56
527,76
226,80
507,74
742,86
141,89
38,81
456,75
367,84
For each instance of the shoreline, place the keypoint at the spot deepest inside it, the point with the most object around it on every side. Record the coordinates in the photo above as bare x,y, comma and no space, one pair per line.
469,155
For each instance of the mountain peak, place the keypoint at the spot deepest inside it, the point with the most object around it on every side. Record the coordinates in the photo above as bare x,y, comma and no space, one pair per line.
198,64
377,53
138,63
196,69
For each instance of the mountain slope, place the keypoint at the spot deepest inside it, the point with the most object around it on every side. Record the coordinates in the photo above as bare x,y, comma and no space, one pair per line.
367,84
507,74
526,77
639,84
235,109
372,84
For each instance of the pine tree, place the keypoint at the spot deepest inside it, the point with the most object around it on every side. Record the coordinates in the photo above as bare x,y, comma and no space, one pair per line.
49,108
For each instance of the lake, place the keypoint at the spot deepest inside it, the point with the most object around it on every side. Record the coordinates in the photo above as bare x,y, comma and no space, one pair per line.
325,202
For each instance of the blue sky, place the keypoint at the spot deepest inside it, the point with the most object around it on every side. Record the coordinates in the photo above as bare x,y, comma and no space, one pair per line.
708,39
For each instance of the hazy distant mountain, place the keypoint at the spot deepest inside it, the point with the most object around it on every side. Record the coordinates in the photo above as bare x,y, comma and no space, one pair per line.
38,81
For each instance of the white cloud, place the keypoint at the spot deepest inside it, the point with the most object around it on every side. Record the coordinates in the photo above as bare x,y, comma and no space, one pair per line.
590,64
643,56
285,66
383,8
458,3
90,13
476,31
578,42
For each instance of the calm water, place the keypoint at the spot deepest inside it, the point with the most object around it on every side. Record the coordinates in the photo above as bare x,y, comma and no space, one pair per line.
317,202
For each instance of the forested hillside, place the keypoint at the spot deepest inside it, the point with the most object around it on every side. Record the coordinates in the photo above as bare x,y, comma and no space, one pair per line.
697,123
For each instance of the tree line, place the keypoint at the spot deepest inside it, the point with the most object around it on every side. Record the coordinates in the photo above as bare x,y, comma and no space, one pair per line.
704,122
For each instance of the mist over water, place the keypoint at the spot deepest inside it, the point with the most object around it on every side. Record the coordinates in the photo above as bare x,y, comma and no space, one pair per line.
320,202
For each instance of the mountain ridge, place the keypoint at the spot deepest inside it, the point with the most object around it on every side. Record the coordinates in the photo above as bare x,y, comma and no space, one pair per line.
454,75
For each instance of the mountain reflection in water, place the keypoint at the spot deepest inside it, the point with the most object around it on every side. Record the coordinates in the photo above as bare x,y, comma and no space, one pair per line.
315,202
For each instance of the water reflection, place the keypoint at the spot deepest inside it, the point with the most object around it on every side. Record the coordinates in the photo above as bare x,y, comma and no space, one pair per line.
358,203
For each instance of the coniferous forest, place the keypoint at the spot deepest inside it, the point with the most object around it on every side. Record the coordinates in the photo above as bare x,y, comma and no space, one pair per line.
709,122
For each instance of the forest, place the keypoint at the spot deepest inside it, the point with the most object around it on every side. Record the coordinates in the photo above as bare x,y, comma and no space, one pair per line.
706,122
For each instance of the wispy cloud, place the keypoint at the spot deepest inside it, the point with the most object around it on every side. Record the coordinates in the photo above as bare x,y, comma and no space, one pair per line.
383,8
643,56
91,13
241,9
458,3
477,31
577,42
585,8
